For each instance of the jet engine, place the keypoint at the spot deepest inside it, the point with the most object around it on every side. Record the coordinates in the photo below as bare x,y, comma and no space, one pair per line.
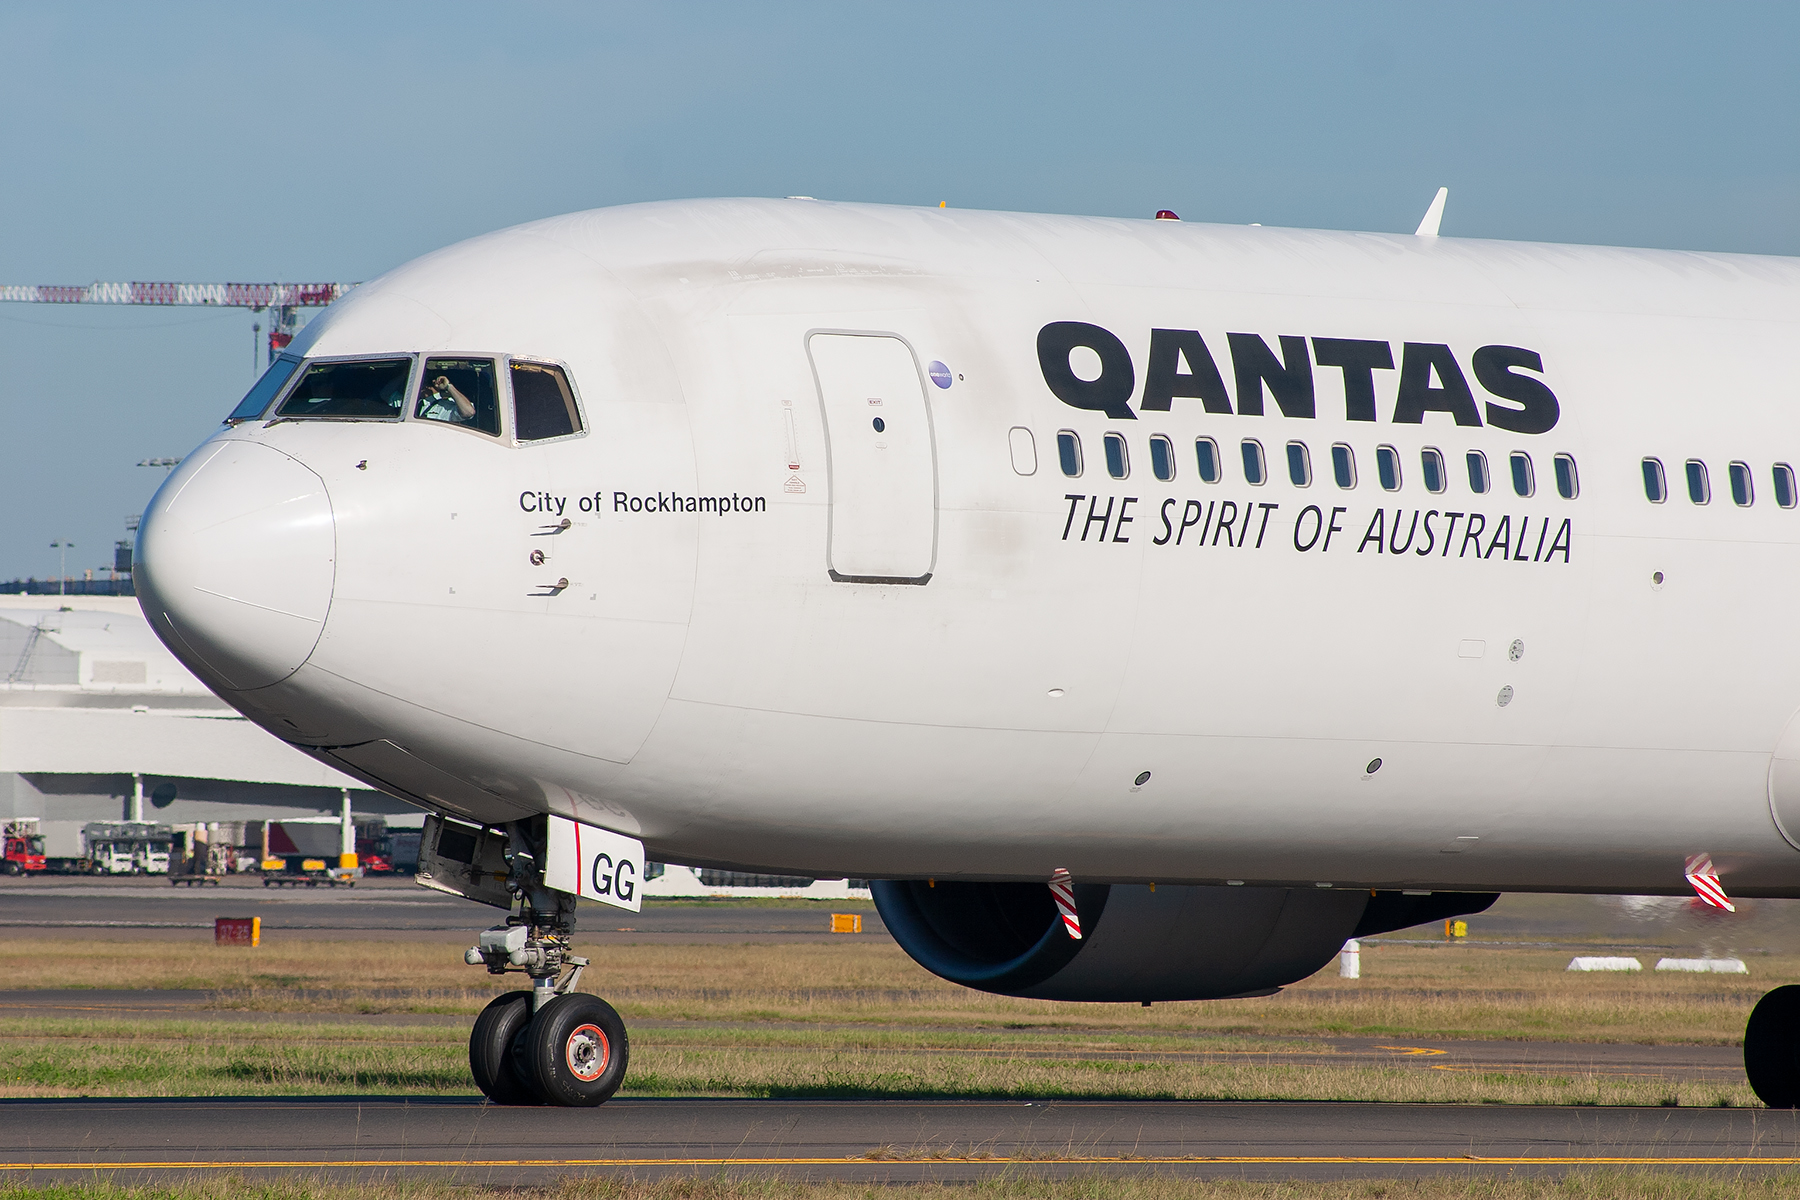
1142,942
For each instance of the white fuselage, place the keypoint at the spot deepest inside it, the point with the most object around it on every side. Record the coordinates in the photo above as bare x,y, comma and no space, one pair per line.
736,680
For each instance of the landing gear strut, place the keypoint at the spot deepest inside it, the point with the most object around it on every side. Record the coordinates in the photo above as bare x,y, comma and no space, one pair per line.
1772,1048
553,1044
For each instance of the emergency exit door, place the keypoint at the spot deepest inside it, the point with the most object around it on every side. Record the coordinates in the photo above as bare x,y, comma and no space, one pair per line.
883,468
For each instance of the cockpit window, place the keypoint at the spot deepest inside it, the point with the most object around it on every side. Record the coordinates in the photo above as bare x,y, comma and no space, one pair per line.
263,392
459,391
543,404
370,388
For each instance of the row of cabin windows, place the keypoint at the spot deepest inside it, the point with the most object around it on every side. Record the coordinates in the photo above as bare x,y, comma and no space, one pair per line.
1699,483
1432,469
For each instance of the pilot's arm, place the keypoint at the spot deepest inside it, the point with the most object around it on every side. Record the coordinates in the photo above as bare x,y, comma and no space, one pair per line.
444,387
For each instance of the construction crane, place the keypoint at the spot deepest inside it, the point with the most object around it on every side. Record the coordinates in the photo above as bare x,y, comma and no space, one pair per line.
283,300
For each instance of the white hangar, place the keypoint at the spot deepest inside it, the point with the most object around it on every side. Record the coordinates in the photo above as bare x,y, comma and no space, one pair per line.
98,722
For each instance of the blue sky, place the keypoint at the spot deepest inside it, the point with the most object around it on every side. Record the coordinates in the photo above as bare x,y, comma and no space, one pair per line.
331,141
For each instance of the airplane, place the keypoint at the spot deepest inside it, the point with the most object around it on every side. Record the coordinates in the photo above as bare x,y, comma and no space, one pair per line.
1145,606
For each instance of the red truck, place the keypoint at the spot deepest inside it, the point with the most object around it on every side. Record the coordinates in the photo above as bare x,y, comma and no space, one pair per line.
24,848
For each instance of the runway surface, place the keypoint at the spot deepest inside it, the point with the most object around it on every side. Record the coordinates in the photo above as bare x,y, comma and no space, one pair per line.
864,1140
397,907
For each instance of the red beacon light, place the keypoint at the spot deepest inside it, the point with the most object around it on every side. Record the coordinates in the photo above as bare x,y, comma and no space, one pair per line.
1163,214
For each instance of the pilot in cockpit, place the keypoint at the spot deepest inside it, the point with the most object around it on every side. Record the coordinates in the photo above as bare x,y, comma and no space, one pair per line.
439,400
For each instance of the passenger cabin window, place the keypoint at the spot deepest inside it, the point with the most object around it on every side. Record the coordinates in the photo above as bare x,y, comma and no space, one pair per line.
1479,482
1523,478
1343,465
1256,467
1068,452
1431,469
1299,465
1387,468
1118,465
262,393
370,389
1206,458
459,391
1699,486
1567,485
1656,485
1741,493
1162,458
1784,485
543,403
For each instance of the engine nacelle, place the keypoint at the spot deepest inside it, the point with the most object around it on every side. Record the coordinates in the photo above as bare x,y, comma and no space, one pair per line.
1168,943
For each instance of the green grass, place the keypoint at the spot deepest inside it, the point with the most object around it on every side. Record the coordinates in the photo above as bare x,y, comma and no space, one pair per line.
40,1058
1452,991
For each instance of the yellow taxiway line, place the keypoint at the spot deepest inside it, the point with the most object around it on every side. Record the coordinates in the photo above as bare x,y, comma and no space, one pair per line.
1685,1160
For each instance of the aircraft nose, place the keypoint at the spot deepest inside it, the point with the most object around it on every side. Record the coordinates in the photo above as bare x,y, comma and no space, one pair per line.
235,557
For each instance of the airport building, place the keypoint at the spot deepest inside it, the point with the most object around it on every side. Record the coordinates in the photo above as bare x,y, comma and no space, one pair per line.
100,723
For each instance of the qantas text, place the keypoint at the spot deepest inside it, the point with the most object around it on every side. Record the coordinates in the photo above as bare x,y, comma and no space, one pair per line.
1180,365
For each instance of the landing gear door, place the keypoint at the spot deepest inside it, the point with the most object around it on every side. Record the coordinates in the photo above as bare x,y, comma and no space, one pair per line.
883,461
594,863
464,860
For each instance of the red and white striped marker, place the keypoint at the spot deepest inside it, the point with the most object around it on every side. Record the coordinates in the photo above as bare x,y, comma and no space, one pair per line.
1062,890
1705,881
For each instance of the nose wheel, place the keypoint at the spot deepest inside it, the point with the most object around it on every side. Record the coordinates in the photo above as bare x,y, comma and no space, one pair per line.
572,1052
500,1024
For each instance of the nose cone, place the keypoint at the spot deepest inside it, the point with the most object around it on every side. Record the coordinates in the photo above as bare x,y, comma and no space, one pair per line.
235,559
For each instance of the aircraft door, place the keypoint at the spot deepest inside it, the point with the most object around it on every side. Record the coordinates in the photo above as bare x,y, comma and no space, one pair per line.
881,458
1784,782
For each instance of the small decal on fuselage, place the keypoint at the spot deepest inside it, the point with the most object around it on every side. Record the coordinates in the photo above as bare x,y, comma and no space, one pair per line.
655,502
675,502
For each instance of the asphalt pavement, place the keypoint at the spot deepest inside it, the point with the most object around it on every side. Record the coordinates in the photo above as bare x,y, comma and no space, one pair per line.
151,907
875,1141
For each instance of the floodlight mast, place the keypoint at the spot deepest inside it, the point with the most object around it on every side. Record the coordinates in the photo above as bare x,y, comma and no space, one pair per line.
283,300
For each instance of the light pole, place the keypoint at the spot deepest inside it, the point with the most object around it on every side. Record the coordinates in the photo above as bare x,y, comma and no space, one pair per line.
62,573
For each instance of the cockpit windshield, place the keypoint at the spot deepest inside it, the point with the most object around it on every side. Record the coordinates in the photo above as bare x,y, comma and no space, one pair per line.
371,388
543,405
460,391
263,392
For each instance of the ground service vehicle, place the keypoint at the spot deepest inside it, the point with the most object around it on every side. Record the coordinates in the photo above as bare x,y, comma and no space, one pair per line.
128,847
22,848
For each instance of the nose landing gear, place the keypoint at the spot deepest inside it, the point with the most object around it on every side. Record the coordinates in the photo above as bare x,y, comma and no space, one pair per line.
553,1044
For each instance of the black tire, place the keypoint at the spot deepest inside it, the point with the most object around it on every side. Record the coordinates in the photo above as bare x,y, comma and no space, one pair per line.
1772,1048
575,1051
13,868
491,1058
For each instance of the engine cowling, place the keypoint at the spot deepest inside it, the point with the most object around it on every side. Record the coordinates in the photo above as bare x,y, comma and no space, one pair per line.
1168,943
